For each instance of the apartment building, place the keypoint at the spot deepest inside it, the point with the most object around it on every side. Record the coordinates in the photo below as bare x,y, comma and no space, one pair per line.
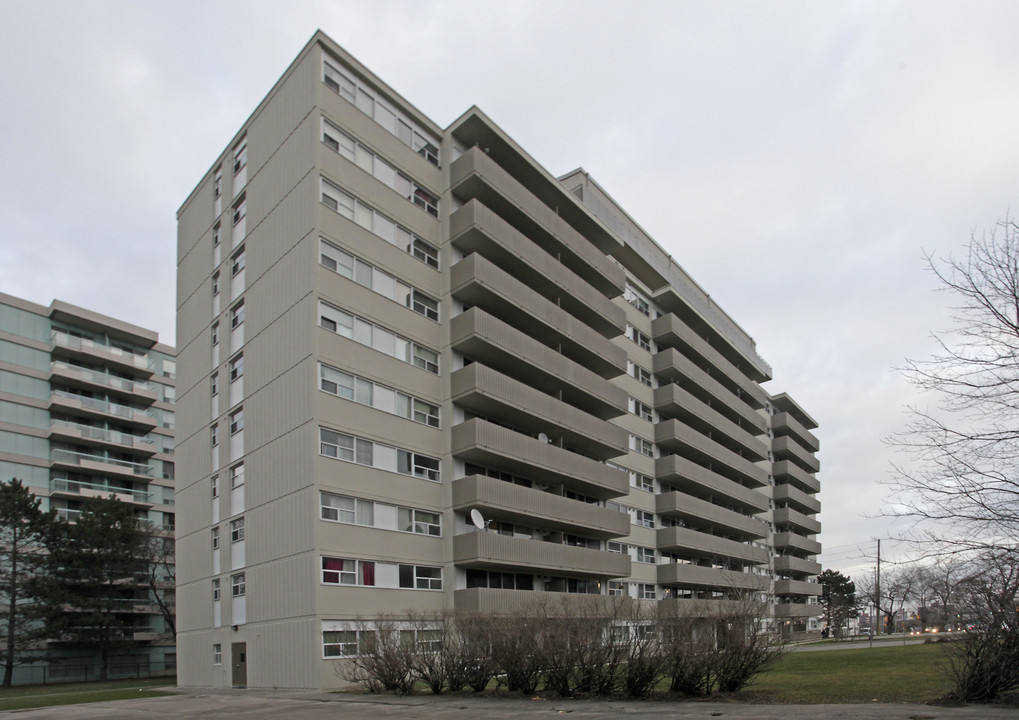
86,410
385,325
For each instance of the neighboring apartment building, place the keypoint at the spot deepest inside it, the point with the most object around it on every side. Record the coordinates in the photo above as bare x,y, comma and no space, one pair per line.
86,410
384,325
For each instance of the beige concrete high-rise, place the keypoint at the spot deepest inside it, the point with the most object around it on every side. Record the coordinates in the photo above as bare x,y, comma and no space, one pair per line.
383,325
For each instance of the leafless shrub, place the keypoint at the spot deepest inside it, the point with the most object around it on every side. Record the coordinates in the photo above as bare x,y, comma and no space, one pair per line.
745,647
474,666
645,664
688,655
383,662
518,650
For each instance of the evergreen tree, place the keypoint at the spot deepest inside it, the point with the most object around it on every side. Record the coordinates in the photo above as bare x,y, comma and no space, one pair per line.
96,563
24,528
838,598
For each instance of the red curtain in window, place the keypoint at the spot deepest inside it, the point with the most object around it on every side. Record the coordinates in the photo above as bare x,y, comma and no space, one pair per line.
367,573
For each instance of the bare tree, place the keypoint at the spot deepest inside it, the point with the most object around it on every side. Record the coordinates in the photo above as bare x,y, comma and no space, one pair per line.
961,483
161,573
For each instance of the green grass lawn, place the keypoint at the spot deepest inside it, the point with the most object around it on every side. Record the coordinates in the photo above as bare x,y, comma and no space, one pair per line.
34,696
913,673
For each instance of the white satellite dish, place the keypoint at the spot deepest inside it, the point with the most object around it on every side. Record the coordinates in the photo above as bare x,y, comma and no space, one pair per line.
478,519
543,437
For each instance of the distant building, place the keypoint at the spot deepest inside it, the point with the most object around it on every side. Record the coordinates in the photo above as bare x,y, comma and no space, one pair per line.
86,410
385,325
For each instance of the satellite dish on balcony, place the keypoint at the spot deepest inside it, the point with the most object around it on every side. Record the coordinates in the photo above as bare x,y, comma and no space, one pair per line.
478,519
542,437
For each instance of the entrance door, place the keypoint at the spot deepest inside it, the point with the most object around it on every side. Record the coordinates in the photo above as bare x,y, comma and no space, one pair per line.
240,664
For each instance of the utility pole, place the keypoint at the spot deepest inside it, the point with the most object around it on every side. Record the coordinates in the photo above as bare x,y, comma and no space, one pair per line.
877,590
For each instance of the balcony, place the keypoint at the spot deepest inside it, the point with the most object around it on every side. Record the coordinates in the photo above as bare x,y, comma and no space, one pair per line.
701,605
796,498
76,489
85,378
789,472
700,482
488,392
671,366
491,601
89,407
71,346
797,610
700,513
486,443
785,448
797,587
786,540
689,576
673,436
477,281
672,401
793,564
670,331
493,551
484,338
788,516
475,228
785,423
526,506
692,543
75,432
474,175
98,464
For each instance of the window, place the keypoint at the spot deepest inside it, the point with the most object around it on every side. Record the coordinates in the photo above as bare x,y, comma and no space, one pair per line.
616,547
643,518
420,411
215,486
236,421
340,571
423,305
237,475
237,530
642,375
422,522
645,482
217,183
499,580
418,465
214,384
237,585
616,588
215,538
378,338
641,410
340,508
217,654
425,359
215,590
646,591
237,315
214,435
240,211
240,156
420,577
385,457
216,234
346,643
215,283
646,555
644,447
638,337
636,298
237,262
424,252
237,368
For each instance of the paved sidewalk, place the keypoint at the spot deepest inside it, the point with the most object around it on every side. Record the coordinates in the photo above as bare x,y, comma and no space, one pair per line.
205,704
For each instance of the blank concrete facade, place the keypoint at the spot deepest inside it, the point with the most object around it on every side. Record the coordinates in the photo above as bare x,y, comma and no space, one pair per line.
86,410
384,325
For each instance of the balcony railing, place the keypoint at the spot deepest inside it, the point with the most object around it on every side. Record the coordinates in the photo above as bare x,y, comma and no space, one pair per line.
112,436
76,343
75,487
101,378
70,457
103,406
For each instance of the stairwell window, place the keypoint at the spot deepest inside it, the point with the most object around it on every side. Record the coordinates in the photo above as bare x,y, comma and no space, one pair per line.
237,315
238,585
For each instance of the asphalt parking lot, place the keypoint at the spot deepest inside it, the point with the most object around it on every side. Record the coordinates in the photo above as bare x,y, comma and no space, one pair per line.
299,705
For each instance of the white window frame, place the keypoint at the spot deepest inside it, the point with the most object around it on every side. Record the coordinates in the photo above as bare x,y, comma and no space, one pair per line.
238,585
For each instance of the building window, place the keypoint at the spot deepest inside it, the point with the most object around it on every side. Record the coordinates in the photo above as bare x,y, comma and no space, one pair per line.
214,435
346,643
237,315
422,522
424,252
641,410
237,530
644,482
214,384
638,337
616,588
216,235
237,585
423,305
240,211
215,538
215,486
340,508
237,368
217,183
641,375
378,338
385,457
417,410
217,654
420,577
644,447
340,571
237,475
215,590
236,421
418,465
646,555
215,283
636,298
215,334
616,547
644,518
237,262
240,156
646,591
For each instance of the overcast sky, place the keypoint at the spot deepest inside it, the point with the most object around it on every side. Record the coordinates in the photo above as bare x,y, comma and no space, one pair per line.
797,158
